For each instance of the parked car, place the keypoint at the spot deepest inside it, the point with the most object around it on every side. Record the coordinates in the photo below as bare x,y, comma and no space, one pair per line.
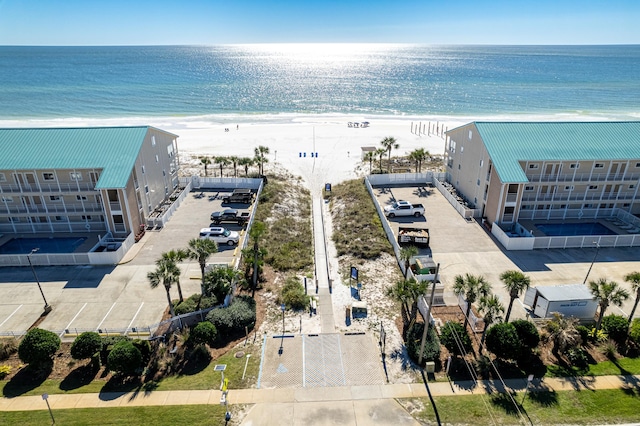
220,235
229,215
241,195
404,208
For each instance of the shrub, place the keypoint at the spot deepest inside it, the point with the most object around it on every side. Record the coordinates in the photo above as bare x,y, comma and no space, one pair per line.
502,340
616,327
187,305
455,338
124,358
527,333
609,349
4,371
431,346
144,347
584,333
38,346
200,354
8,347
235,317
292,294
596,335
578,357
203,333
108,342
86,345
634,331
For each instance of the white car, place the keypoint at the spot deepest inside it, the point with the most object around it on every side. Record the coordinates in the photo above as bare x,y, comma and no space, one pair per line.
220,235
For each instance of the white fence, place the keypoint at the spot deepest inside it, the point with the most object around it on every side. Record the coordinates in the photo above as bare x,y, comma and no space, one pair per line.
463,210
160,220
198,182
403,179
477,324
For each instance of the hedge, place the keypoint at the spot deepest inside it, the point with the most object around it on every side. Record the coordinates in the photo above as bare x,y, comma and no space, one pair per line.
38,346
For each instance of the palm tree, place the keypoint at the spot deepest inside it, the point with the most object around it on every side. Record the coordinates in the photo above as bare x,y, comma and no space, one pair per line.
166,273
407,293
222,161
406,253
234,161
419,155
370,156
389,143
200,250
607,292
634,279
491,307
261,157
379,153
246,162
219,282
563,332
470,287
205,161
172,257
257,231
515,282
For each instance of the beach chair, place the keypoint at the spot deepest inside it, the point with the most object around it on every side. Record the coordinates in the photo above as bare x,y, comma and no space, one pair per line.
627,226
633,231
611,219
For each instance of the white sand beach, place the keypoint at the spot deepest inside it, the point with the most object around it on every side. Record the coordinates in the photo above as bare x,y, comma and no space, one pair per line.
318,150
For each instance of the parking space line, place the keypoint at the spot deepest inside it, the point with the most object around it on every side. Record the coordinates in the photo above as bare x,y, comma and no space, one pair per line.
134,317
71,322
9,317
105,316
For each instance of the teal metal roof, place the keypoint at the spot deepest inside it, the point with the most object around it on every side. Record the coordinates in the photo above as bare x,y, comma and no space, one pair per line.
112,149
510,142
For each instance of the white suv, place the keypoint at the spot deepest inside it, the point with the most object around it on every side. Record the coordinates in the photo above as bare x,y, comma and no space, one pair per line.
220,235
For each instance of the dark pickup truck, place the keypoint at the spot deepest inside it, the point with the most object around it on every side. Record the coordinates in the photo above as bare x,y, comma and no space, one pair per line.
229,215
238,196
415,236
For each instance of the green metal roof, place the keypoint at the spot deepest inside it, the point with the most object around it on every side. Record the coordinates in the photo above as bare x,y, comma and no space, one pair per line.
510,142
112,149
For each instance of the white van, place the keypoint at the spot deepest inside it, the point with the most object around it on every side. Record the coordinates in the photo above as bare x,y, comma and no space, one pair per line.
220,235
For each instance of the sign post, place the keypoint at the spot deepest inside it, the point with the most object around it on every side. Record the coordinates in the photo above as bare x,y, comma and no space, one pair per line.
45,396
353,275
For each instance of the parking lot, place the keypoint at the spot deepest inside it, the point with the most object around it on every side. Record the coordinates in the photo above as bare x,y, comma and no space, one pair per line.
112,298
465,247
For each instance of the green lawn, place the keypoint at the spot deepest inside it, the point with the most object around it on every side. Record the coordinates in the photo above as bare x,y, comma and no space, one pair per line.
566,407
200,379
166,415
622,366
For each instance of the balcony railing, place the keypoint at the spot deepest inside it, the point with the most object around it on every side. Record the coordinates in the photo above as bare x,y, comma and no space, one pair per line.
48,187
584,177
40,209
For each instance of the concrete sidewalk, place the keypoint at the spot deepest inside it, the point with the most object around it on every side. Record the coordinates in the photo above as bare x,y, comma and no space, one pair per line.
310,396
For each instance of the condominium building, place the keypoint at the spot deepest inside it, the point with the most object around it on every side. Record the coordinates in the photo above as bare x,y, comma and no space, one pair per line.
56,180
512,171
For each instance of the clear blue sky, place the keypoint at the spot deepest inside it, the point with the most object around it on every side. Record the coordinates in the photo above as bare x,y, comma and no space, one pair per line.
161,22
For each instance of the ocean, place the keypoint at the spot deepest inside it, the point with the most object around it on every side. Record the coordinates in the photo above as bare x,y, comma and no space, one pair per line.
254,81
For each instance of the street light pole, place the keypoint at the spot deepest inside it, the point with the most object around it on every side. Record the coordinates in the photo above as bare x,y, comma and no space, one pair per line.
47,307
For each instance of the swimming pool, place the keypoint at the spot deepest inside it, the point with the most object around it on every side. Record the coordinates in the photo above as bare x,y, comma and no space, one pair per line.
45,245
573,229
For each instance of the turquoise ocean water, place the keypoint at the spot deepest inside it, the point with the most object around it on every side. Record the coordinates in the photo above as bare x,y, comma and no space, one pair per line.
253,80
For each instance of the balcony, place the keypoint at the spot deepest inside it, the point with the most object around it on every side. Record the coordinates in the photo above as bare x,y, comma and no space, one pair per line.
48,188
115,206
585,177
41,209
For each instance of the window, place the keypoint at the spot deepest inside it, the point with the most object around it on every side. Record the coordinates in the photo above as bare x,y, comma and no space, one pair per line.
81,197
3,178
509,210
533,166
528,188
55,198
146,189
470,134
164,172
458,166
599,165
153,141
61,218
84,217
526,207
568,188
142,169
170,150
593,186
461,149
481,163
626,205
587,206
157,158
637,165
574,166
48,176
7,199
478,182
75,175
563,206
14,219
632,186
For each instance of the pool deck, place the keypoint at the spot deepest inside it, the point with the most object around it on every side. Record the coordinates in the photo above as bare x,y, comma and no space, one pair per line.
92,239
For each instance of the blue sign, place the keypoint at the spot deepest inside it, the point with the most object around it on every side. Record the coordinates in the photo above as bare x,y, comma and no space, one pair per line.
354,273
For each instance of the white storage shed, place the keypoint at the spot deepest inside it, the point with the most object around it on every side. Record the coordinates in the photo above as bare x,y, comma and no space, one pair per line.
574,300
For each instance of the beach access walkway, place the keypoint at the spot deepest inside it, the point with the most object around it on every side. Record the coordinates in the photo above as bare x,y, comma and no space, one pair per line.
345,405
323,285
